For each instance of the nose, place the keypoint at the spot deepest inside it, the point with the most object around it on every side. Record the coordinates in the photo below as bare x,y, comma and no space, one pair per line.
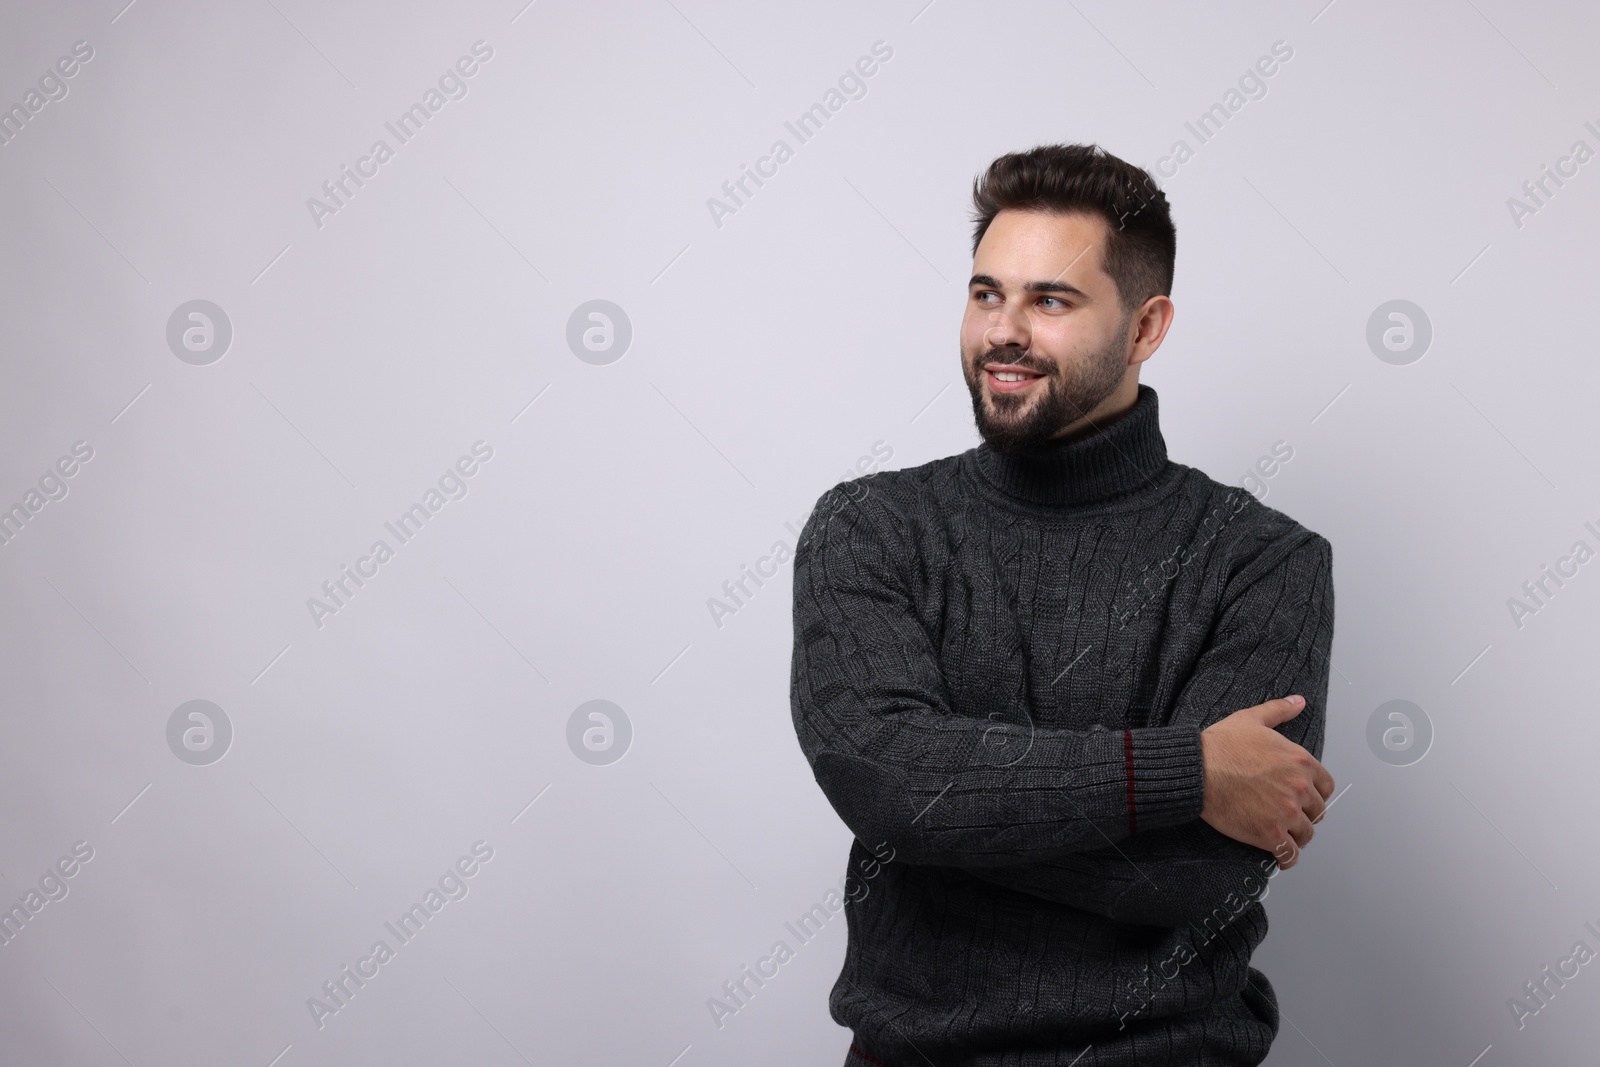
1006,329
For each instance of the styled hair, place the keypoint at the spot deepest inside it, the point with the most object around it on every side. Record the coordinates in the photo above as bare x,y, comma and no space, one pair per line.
1141,243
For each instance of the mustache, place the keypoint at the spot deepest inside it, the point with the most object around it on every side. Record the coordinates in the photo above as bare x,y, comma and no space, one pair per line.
1027,363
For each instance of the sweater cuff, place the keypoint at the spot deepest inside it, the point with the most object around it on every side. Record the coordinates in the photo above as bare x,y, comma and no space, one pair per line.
1165,776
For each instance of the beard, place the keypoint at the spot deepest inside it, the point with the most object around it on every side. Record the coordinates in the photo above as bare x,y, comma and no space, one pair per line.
1026,422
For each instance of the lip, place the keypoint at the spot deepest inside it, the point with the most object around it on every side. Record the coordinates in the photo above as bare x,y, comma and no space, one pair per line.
990,369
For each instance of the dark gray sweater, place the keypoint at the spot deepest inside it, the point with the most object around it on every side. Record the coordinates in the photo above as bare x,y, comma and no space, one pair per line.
1001,669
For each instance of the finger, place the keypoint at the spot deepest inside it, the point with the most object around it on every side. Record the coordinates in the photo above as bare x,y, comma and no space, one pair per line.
1301,830
1315,806
1280,710
1322,780
1287,853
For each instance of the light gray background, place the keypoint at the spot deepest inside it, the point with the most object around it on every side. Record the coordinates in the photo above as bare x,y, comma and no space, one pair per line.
768,355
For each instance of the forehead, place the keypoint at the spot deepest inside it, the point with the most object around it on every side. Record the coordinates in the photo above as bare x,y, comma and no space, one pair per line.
1024,246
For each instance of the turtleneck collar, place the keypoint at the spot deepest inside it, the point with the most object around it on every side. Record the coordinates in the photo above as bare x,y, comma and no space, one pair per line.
1116,458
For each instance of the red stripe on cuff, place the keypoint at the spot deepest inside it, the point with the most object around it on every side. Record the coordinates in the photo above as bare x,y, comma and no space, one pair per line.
1127,760
854,1048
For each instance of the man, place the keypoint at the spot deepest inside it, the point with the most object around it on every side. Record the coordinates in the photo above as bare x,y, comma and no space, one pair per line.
1053,684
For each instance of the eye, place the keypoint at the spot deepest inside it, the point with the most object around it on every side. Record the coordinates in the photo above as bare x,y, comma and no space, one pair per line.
1058,300
983,293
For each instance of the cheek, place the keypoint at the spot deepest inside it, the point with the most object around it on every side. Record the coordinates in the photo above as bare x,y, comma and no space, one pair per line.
973,326
1088,336
1056,341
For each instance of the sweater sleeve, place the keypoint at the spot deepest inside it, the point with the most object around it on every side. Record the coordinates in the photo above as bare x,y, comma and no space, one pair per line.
1273,639
874,721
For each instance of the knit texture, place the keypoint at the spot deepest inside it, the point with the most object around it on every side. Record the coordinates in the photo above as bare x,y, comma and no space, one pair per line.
1001,669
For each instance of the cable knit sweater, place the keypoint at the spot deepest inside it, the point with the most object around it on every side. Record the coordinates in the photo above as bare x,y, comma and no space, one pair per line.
1002,665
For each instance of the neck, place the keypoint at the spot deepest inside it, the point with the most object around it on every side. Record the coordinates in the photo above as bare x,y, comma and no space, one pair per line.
1110,456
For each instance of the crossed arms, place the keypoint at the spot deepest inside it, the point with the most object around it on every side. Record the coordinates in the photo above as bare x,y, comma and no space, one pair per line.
1103,820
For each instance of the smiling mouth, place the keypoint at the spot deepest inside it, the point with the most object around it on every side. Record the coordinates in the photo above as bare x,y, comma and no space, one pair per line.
1008,378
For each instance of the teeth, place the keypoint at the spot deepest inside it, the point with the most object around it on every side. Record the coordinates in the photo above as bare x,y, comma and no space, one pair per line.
1012,376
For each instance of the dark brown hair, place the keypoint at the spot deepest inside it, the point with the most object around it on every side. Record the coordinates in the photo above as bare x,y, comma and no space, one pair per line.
1141,245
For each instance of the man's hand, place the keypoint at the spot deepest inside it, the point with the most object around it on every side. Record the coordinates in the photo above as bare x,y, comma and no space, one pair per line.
1261,787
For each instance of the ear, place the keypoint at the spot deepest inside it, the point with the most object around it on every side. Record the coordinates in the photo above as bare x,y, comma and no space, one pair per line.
1150,322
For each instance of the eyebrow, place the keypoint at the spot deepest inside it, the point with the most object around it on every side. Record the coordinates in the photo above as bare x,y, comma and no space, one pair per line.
989,282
